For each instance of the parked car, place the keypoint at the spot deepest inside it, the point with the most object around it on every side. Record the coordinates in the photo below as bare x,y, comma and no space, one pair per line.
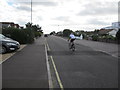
7,44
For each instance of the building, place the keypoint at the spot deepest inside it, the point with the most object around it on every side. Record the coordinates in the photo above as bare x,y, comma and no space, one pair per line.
16,26
111,30
104,31
115,25
9,24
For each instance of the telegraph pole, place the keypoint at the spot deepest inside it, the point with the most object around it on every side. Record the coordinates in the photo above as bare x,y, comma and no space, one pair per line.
31,11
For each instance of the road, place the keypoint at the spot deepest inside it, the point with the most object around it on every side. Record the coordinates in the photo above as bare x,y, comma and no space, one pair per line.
84,68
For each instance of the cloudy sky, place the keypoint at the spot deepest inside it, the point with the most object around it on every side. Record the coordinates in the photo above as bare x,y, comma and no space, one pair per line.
56,15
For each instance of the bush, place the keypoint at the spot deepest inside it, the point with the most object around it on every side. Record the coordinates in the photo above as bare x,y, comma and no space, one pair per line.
37,34
22,36
95,37
66,32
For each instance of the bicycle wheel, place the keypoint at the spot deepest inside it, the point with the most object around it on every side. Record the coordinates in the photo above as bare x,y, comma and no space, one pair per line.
69,45
73,47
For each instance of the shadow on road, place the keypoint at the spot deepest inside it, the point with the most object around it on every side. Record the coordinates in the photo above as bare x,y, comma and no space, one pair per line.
63,53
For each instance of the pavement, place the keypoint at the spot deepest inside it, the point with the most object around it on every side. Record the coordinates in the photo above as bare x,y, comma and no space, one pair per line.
4,57
27,68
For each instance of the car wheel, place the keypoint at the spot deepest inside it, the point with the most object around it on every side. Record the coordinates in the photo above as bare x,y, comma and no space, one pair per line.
4,50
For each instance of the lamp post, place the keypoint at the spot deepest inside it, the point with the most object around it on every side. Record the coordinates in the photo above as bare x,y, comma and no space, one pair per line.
31,11
58,27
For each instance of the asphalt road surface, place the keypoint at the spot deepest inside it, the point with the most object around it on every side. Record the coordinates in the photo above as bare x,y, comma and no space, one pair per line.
27,68
84,68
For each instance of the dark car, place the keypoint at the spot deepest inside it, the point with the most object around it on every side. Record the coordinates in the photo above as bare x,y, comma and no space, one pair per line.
8,44
45,35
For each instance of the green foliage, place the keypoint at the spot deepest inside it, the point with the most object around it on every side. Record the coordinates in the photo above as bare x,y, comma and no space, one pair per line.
22,36
37,34
28,25
60,33
107,37
52,33
36,29
95,37
66,32
110,37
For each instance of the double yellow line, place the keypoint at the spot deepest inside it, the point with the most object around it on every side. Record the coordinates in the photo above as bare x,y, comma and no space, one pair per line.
54,66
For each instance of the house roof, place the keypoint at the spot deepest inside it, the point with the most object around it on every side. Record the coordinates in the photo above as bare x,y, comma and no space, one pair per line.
105,31
6,24
16,25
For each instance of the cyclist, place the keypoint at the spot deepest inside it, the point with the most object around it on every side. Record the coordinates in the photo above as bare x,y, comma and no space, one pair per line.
71,39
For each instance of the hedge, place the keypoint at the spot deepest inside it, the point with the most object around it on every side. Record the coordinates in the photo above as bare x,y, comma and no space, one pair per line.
23,36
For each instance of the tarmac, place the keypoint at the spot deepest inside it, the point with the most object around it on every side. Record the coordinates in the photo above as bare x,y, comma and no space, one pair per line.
27,68
108,48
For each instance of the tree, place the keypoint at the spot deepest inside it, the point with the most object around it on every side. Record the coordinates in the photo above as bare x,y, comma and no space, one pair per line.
60,33
66,32
96,31
23,35
28,25
52,33
79,32
35,30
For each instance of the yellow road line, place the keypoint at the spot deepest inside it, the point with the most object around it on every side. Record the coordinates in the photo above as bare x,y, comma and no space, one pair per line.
57,75
48,69
48,47
56,72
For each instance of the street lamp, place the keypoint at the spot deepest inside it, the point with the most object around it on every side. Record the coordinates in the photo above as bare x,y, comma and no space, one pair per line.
31,11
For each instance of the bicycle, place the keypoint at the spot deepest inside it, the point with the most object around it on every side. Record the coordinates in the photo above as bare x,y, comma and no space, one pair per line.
71,46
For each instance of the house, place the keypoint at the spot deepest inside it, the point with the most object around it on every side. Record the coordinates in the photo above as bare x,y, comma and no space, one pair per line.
113,32
106,28
16,26
110,30
115,25
104,31
9,24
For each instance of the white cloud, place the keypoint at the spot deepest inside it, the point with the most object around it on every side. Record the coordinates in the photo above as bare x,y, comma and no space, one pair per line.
73,14
99,8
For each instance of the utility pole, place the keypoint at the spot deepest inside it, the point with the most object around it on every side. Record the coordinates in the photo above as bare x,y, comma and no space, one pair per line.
31,11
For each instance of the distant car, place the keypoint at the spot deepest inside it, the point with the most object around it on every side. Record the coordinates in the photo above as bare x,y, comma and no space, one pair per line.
45,35
7,44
